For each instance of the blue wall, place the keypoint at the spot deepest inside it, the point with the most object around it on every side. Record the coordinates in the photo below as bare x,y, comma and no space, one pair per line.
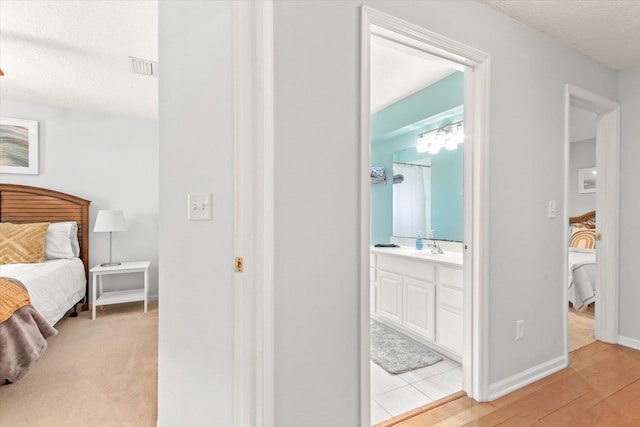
396,128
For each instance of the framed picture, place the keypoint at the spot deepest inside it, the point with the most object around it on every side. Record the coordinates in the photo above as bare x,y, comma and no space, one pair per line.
18,146
587,180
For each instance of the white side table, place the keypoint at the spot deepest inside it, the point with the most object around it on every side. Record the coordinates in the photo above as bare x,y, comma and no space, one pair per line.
117,297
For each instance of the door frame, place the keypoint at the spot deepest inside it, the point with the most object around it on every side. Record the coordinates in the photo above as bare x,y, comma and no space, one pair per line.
476,226
254,212
607,210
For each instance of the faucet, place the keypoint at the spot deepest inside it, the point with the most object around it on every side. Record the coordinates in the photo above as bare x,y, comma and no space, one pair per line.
435,247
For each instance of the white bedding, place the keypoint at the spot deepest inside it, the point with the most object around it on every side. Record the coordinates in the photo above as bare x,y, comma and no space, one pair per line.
54,286
582,284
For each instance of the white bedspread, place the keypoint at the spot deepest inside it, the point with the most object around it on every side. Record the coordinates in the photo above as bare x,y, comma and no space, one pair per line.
54,286
582,284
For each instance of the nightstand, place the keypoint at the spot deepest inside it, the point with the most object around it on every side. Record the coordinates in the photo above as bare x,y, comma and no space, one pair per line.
117,297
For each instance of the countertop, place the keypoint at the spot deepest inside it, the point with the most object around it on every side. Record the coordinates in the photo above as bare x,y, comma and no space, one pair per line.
451,258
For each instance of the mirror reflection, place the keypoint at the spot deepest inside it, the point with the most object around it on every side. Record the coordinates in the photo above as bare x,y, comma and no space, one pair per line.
427,200
411,194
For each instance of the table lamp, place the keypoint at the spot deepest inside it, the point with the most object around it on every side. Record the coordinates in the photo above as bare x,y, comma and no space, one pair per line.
109,221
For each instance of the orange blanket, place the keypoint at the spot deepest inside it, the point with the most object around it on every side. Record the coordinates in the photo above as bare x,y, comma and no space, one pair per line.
12,297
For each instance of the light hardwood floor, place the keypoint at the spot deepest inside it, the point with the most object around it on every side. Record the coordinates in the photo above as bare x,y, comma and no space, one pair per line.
581,327
601,387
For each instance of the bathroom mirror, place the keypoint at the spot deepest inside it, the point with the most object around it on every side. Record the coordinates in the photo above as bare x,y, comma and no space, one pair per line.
427,194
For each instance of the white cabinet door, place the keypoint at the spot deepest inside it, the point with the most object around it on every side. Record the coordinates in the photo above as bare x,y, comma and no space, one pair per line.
390,296
450,320
419,307
450,331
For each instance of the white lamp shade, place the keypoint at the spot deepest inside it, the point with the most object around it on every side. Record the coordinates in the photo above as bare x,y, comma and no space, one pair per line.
109,221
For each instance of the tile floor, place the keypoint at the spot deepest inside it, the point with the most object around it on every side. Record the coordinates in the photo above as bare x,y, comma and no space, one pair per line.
393,395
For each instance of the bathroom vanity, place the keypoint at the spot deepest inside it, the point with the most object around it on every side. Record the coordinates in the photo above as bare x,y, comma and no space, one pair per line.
419,294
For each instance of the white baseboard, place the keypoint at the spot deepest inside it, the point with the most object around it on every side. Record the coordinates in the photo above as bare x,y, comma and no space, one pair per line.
524,378
629,342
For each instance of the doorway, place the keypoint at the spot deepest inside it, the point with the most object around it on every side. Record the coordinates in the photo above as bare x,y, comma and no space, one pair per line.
607,199
582,222
417,126
474,64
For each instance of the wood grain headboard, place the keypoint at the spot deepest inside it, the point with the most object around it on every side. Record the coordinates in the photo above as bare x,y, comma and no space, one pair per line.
22,203
589,216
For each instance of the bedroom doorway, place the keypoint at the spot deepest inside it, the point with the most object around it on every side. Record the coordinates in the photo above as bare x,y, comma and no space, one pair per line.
607,195
472,65
582,208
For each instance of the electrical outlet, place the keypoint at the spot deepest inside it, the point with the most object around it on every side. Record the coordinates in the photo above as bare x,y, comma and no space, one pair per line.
199,207
519,329
552,209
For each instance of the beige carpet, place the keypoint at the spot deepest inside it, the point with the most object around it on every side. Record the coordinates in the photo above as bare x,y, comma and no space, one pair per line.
94,373
580,329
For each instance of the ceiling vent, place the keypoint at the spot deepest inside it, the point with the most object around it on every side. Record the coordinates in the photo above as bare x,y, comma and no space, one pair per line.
143,66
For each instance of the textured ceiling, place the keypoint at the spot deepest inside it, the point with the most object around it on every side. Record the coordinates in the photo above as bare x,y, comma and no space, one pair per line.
605,30
75,54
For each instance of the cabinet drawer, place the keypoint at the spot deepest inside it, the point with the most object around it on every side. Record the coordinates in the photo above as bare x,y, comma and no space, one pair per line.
450,299
451,276
417,270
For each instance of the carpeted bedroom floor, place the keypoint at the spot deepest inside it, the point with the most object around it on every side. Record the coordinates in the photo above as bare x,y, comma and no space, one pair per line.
94,373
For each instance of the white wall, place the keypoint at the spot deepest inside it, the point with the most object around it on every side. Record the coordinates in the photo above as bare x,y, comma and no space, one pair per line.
582,155
629,204
317,101
583,124
317,78
195,375
111,161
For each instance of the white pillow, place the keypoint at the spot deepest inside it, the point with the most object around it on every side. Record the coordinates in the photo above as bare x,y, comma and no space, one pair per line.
61,241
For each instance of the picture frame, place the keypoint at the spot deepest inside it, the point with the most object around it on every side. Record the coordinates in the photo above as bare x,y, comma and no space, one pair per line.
587,180
19,149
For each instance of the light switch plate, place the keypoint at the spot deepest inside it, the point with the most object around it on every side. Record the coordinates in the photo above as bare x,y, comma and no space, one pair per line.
200,207
552,209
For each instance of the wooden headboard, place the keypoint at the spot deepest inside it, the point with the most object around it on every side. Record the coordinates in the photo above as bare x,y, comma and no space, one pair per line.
21,203
589,216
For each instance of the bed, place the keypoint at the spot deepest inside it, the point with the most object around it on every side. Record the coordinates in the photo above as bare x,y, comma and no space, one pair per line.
38,292
582,260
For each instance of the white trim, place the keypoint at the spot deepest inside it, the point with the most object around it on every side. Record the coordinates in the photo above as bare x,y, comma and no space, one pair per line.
531,375
365,218
253,145
476,354
565,230
607,209
629,342
476,65
608,225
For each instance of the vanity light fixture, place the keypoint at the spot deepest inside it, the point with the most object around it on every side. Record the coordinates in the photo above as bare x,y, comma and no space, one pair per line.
447,137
